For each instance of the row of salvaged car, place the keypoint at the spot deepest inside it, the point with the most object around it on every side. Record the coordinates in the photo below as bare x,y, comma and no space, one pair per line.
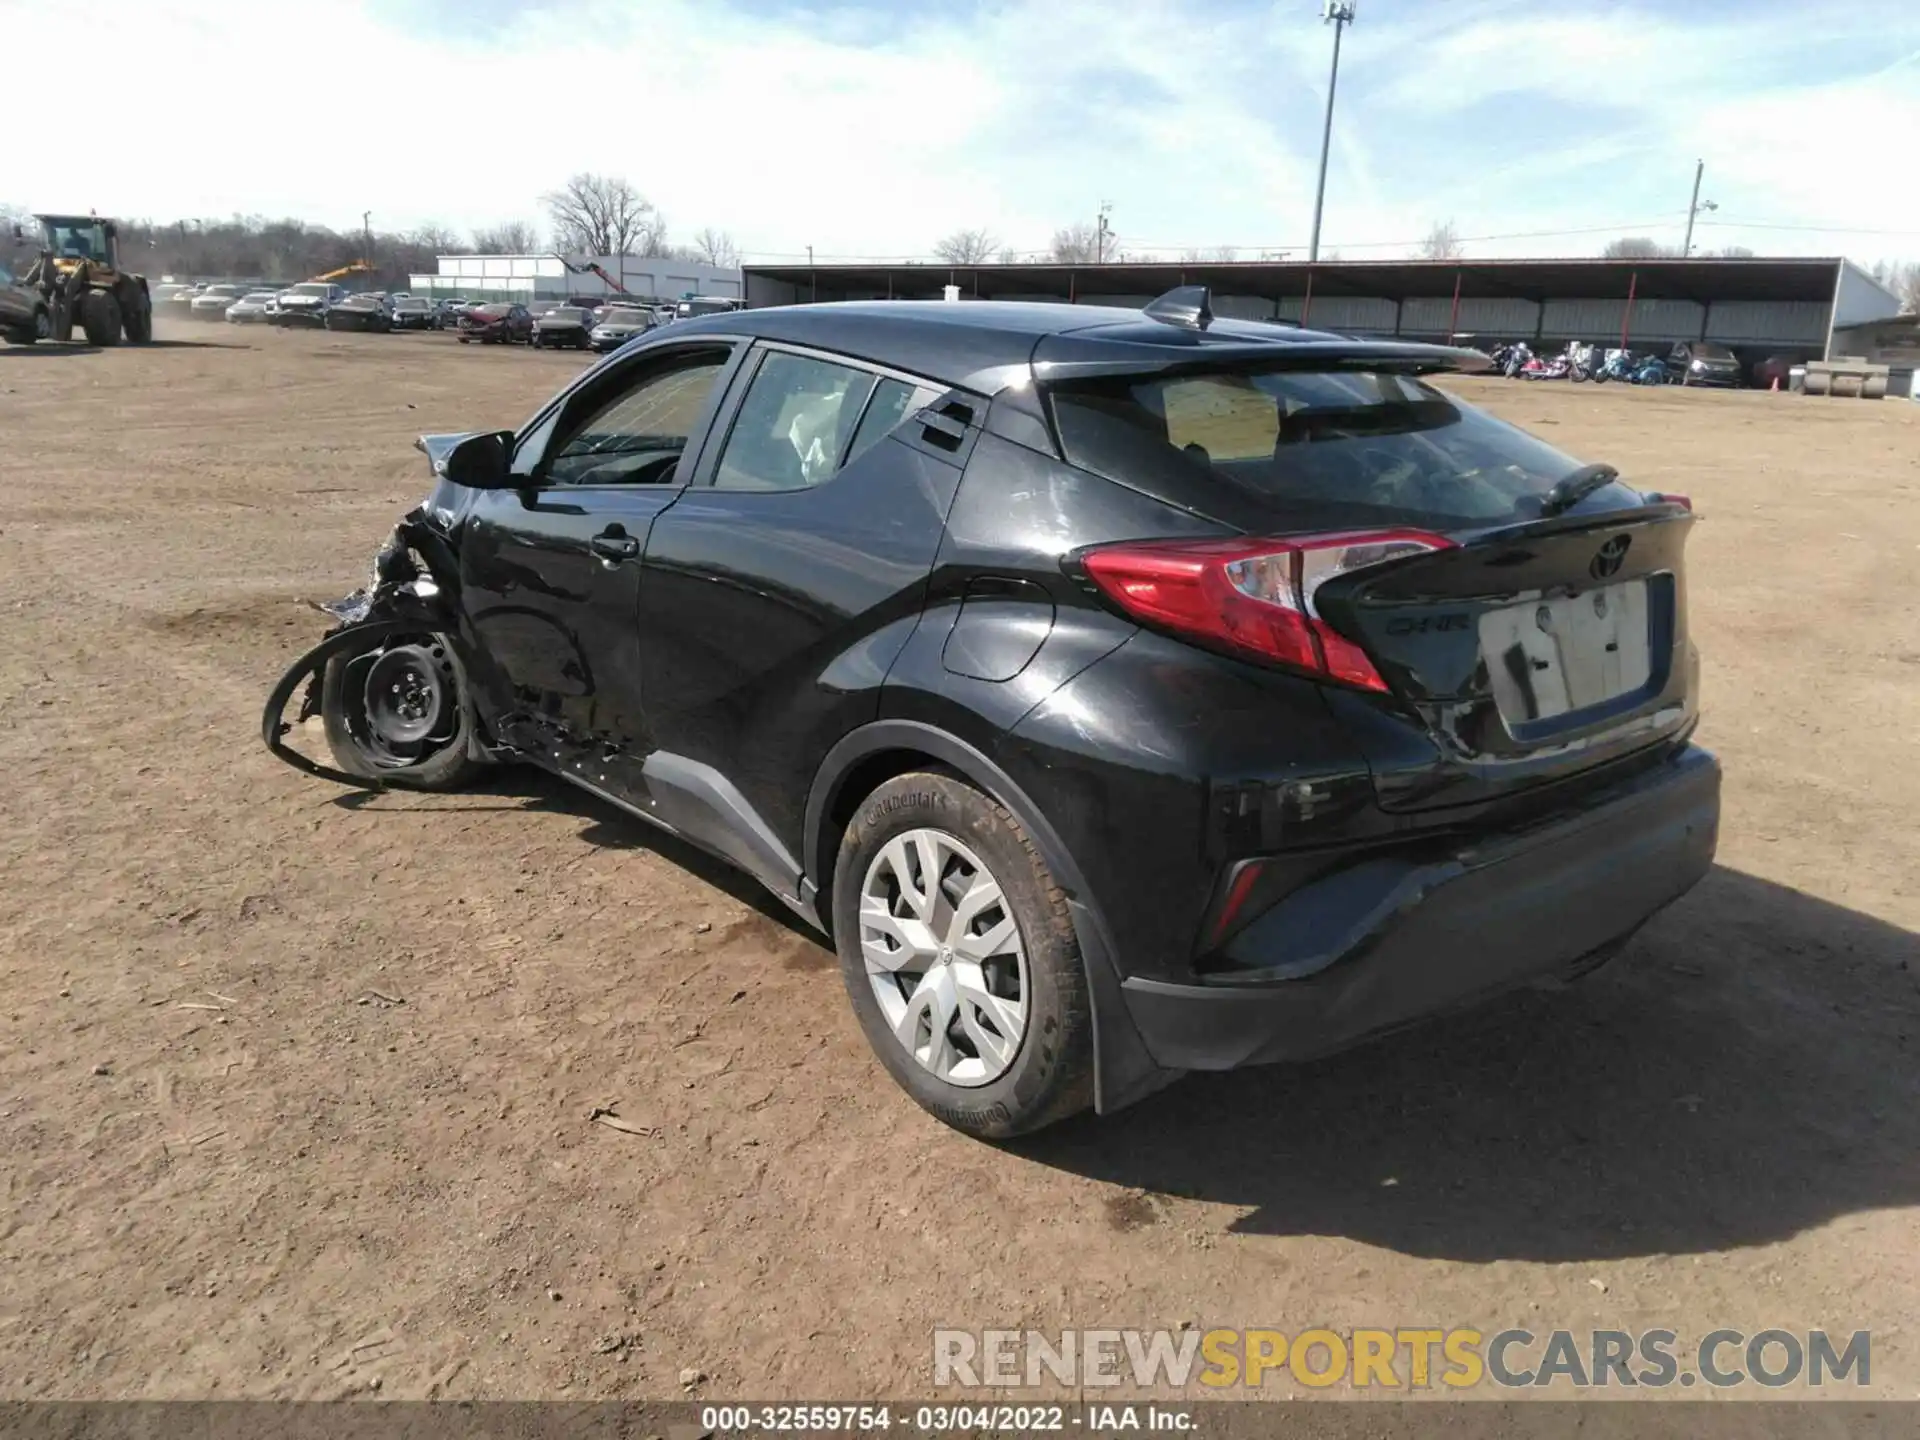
579,322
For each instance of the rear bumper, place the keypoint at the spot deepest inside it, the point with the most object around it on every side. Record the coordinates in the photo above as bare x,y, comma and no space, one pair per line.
1388,941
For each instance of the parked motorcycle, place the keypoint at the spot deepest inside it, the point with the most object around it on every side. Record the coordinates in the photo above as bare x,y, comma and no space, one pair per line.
1650,371
1618,365
1579,361
1518,357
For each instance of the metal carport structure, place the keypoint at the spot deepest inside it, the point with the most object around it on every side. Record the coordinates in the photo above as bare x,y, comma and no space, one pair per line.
1750,304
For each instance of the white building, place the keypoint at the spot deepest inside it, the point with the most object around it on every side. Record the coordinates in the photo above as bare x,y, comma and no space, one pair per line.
548,277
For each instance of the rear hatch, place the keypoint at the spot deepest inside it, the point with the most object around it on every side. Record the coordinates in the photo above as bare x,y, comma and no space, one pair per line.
1489,614
1528,653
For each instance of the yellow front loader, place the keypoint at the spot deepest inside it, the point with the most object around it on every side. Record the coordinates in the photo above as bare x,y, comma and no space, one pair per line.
78,272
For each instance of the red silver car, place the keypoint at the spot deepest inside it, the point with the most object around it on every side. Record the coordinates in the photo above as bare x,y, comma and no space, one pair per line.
500,323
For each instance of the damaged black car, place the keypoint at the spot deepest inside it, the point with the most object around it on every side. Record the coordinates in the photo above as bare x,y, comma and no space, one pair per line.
1124,692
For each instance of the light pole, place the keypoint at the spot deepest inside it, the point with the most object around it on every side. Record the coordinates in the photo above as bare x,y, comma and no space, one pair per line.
1695,206
1339,14
1100,232
366,230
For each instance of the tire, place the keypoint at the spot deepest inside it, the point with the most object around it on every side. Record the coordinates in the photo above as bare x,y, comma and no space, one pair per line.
40,329
136,315
445,764
1039,988
100,318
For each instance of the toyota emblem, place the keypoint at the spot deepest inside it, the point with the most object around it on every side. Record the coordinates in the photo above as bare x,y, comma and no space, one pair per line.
1613,554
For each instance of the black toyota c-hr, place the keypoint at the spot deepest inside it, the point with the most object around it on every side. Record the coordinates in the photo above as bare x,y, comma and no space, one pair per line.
1125,692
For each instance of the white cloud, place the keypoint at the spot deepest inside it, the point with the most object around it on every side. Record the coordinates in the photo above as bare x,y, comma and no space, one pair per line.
873,133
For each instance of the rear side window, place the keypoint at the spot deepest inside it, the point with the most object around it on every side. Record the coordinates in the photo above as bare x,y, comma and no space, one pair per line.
893,401
794,424
1322,449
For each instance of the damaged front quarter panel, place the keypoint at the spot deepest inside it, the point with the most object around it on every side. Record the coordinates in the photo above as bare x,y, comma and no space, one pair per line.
414,588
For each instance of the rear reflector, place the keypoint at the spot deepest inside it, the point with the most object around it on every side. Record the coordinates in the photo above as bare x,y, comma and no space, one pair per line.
1251,597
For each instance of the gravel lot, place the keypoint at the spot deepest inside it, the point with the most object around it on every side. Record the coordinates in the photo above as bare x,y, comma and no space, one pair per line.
294,1083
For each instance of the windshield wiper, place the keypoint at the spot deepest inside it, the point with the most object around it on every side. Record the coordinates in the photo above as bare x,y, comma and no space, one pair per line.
1570,489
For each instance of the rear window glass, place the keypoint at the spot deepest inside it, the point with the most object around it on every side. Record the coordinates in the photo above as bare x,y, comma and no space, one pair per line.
1323,449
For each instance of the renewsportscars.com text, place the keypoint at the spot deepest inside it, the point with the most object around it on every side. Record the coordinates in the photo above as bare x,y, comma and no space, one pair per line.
1399,1359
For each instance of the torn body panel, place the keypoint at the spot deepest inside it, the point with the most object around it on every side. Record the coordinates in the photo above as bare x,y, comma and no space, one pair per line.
413,591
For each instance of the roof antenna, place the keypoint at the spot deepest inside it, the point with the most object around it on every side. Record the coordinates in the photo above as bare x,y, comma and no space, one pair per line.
1189,306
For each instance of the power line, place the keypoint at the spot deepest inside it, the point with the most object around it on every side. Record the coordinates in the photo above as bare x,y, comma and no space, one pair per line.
1810,229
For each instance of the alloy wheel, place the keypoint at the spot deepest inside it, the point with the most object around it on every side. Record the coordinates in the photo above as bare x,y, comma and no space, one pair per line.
944,956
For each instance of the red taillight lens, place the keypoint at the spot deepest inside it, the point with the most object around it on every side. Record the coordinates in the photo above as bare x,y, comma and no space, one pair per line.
1253,597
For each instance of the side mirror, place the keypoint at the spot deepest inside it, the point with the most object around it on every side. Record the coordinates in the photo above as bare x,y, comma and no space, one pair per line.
480,462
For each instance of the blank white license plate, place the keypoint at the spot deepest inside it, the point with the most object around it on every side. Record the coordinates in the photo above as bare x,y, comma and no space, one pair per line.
1552,657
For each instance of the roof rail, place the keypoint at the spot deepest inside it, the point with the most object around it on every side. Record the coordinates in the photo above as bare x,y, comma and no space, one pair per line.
1188,306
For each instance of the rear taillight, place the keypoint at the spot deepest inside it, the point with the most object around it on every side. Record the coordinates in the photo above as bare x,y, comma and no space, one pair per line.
1253,597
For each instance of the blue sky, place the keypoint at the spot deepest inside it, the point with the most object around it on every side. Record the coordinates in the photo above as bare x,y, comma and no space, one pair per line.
870,130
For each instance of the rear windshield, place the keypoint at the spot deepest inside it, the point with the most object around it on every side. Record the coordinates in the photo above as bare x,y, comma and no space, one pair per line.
409,304
565,312
491,310
1325,450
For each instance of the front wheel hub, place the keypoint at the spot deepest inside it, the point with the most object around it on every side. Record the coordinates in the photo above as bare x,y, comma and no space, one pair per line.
407,696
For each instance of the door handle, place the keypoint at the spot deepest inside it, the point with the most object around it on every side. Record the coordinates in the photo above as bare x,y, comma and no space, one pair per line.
615,545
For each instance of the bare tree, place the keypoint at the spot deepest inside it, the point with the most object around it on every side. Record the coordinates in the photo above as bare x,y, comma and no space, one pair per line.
1734,252
1636,247
603,215
1077,244
1217,255
440,239
1903,278
966,247
1007,256
1442,242
510,237
714,247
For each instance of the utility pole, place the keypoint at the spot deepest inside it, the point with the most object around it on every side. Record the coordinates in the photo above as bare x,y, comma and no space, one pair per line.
1695,206
1339,14
1101,230
366,230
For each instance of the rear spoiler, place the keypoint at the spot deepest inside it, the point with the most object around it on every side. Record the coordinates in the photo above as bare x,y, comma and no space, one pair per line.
1394,358
1179,334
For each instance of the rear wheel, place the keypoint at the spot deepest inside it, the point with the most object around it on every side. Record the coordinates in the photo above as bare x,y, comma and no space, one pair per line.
398,712
960,958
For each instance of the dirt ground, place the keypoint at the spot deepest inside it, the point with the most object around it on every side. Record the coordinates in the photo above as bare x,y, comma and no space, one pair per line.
295,1083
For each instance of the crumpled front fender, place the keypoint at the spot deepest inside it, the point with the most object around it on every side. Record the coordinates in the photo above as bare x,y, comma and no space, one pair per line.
414,588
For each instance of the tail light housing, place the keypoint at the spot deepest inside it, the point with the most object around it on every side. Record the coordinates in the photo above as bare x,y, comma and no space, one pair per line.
1251,597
